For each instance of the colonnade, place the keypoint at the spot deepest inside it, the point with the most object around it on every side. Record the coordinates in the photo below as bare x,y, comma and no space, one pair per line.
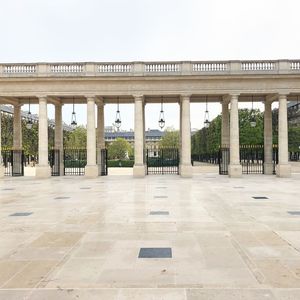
95,138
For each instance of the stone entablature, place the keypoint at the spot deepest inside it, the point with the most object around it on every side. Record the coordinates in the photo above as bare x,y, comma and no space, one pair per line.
233,67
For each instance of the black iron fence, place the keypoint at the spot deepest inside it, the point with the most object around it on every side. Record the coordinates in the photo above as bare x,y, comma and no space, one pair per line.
294,156
13,161
54,161
162,161
75,161
104,165
251,159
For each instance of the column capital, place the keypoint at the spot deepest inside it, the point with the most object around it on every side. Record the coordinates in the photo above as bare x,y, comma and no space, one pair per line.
234,96
138,97
185,97
225,99
99,101
282,96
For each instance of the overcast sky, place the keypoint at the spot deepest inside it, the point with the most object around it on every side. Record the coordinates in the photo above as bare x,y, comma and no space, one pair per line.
128,30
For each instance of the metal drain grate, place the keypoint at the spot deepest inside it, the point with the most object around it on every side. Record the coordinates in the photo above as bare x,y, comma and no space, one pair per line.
159,212
294,213
160,197
85,188
8,189
61,198
260,197
21,214
155,253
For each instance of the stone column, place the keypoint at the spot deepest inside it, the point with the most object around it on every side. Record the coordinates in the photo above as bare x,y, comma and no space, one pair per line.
91,169
1,160
43,169
234,168
58,138
268,139
100,133
225,135
17,135
185,163
138,168
283,168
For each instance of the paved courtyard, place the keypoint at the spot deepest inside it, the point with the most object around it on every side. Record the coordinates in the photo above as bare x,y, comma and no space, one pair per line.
74,238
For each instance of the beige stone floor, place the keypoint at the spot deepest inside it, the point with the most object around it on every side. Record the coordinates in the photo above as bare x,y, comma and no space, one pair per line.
83,238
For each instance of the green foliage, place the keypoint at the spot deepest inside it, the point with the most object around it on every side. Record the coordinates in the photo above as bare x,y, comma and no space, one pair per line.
294,139
170,139
119,149
76,138
120,163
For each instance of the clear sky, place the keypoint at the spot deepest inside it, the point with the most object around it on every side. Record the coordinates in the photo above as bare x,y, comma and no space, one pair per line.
128,30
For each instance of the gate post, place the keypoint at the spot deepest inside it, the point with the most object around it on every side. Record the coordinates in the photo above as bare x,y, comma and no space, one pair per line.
185,128
234,168
138,168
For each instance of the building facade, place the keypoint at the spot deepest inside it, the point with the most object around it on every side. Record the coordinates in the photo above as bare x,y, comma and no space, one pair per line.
140,83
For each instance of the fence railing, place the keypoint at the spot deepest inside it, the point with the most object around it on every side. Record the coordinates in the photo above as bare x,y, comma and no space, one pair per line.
149,68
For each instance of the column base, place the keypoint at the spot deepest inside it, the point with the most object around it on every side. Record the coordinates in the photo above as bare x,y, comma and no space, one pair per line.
2,169
91,171
139,171
283,171
42,171
268,168
235,171
186,171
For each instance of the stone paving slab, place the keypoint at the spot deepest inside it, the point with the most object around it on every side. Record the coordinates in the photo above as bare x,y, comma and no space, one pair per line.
86,243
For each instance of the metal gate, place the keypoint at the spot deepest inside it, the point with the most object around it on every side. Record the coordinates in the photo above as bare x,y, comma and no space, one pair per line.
54,161
162,161
251,159
223,160
103,158
74,162
13,161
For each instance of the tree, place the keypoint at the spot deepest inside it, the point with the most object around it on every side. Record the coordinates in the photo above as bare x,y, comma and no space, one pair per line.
76,138
170,139
119,149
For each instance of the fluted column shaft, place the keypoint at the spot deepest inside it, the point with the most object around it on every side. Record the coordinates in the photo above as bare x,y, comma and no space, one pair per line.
1,160
268,139
234,168
58,135
139,168
100,134
225,135
17,127
186,165
283,168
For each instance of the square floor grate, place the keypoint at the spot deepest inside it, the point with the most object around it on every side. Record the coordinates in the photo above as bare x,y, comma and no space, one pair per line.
21,214
238,187
8,189
155,253
294,213
160,197
159,212
61,198
85,188
260,197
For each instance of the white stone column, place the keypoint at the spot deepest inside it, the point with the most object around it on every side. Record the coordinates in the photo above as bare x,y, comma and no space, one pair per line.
225,135
43,169
17,135
185,163
58,137
1,160
234,168
100,133
138,168
268,139
91,169
283,168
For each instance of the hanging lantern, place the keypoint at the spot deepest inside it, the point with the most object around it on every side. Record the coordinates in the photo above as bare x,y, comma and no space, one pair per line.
161,119
118,121
29,122
206,115
252,118
73,117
